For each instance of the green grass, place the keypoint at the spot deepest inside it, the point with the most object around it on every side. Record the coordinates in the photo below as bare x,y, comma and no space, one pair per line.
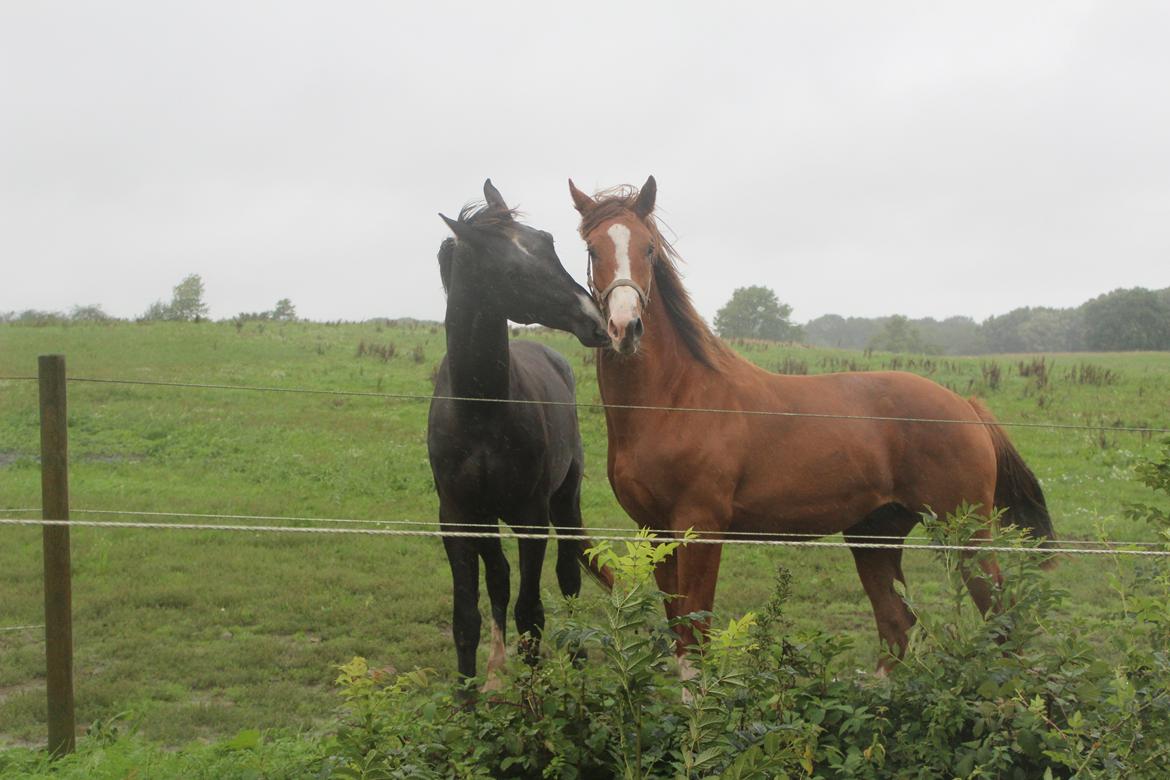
201,634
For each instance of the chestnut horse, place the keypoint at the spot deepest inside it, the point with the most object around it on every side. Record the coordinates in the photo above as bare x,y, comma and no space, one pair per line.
774,474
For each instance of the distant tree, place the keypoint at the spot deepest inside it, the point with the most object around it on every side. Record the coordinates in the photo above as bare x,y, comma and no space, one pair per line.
898,335
1002,333
1127,319
284,310
39,318
1052,330
755,313
157,311
248,316
953,336
187,303
833,330
91,313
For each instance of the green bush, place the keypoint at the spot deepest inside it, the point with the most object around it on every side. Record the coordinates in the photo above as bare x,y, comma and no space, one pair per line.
1021,694
1018,695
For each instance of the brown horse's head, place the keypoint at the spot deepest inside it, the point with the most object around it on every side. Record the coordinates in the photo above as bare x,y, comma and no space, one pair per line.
623,243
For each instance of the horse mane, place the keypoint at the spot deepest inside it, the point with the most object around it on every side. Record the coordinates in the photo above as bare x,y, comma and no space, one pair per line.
704,345
482,216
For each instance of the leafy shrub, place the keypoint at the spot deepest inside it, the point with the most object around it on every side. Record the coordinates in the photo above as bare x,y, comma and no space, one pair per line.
1021,694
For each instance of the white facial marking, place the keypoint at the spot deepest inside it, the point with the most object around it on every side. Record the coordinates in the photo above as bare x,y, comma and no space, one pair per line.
588,305
521,247
621,244
623,301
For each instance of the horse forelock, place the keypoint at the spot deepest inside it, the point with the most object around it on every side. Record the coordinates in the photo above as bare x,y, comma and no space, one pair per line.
487,217
482,216
617,204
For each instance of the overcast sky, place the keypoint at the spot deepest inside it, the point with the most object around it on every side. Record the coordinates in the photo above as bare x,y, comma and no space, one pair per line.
929,159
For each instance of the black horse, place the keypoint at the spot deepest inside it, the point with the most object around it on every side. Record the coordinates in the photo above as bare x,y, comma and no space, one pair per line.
521,463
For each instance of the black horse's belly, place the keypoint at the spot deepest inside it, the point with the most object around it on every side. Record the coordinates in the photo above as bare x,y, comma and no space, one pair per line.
485,480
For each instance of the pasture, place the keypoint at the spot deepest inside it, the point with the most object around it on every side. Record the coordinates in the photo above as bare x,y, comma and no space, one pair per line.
201,634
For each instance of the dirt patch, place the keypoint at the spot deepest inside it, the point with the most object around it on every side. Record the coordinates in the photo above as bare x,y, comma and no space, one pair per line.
9,456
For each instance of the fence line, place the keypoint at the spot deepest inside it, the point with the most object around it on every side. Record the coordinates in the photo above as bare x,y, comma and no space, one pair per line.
624,407
20,628
514,526
505,534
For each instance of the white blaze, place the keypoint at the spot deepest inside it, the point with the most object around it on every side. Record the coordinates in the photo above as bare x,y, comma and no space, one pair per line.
623,301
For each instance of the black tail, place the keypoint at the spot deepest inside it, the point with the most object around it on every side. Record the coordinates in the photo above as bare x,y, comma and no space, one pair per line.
1017,491
602,575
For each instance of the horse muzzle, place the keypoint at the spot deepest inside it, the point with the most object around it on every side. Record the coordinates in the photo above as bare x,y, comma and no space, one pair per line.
625,337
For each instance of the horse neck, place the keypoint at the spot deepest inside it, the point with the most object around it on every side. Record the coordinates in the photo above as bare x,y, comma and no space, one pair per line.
477,343
657,375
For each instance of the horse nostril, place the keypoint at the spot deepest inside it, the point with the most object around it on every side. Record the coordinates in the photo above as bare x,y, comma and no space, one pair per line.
613,331
637,328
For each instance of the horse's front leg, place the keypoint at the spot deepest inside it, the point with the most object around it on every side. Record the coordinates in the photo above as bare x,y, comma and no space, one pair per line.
529,611
464,560
697,567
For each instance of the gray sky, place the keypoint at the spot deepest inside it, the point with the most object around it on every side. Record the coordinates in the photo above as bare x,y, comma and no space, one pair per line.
925,158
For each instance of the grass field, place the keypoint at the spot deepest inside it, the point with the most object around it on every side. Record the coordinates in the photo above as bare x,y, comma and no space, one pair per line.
201,634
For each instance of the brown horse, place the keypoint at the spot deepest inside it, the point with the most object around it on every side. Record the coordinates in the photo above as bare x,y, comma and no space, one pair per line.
774,474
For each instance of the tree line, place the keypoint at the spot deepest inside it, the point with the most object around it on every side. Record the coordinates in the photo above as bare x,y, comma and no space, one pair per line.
186,305
1124,319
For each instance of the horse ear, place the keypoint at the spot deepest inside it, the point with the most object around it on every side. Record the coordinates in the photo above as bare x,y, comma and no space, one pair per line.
645,203
462,230
492,197
583,203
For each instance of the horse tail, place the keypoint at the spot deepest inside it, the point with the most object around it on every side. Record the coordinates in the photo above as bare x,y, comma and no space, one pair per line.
600,574
1017,491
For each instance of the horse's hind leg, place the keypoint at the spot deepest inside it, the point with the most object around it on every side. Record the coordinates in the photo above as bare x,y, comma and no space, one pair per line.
566,516
982,587
496,573
878,568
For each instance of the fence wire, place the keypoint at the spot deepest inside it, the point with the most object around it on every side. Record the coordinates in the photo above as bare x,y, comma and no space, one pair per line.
503,533
1106,543
626,407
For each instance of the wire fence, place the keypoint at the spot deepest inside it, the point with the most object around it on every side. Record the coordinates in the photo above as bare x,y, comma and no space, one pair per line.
625,533
507,533
1145,430
423,528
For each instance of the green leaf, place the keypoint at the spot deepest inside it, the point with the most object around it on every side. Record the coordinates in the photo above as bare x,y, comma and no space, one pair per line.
249,739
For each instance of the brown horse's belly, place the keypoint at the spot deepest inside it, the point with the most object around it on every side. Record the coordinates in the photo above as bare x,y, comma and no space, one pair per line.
803,520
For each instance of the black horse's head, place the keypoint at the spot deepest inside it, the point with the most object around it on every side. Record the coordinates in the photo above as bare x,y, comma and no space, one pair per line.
514,269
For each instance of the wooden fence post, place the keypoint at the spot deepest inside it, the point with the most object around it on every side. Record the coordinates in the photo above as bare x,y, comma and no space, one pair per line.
55,541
